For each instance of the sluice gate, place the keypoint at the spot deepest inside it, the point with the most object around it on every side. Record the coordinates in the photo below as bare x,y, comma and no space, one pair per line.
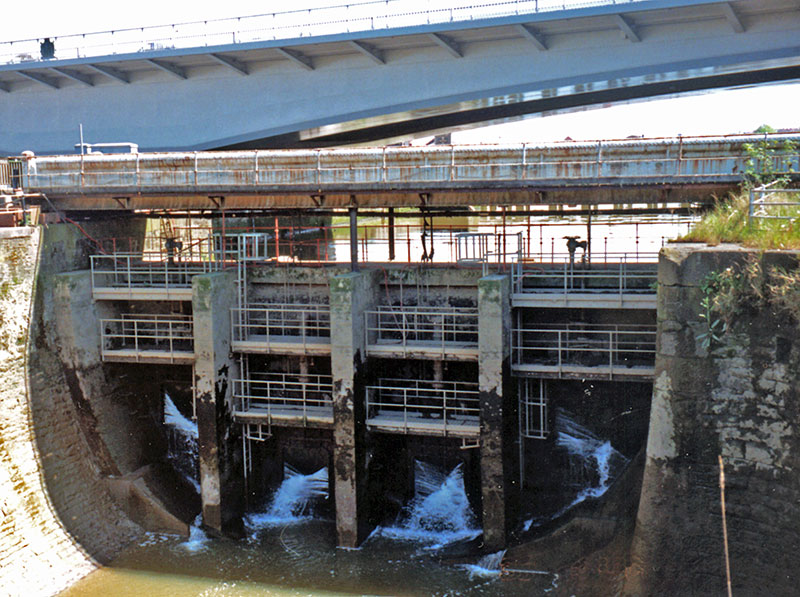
299,360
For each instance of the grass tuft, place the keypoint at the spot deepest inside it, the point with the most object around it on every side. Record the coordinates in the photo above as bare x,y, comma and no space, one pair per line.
727,222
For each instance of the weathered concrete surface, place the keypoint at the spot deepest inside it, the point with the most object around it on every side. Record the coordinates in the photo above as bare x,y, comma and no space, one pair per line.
350,295
497,405
58,516
140,503
738,401
219,441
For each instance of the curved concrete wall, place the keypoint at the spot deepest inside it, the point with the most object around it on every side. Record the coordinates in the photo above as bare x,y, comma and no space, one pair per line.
59,518
741,401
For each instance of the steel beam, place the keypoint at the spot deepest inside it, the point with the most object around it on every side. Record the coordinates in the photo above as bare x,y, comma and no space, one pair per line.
369,51
533,36
353,239
732,18
453,48
168,67
75,76
39,78
627,28
296,57
110,71
237,65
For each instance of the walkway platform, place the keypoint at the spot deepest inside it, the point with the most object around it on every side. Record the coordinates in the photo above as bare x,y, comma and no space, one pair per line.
600,372
418,424
318,417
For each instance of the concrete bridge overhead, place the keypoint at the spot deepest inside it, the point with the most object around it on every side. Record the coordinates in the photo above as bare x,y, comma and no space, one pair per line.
375,79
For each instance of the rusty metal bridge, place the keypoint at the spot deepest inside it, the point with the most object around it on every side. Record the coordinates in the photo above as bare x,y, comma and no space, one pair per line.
667,170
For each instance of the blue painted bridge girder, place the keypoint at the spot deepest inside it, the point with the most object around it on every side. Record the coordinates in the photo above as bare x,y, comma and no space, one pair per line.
366,86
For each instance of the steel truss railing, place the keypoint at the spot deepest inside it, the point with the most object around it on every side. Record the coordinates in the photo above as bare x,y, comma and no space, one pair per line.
122,270
268,323
621,273
616,347
141,333
410,328
290,395
410,406
533,421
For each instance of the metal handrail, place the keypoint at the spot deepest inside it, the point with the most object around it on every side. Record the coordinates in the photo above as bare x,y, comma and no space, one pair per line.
267,393
581,344
388,166
147,333
120,270
442,402
352,17
408,326
771,196
630,273
310,323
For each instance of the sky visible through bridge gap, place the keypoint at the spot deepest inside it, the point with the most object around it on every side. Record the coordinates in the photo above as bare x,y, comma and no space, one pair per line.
719,112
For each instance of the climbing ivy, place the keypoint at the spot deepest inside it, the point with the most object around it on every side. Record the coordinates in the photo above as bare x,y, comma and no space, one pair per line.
769,161
741,291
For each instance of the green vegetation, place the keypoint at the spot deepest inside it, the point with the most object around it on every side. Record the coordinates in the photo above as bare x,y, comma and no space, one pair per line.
770,164
737,293
727,222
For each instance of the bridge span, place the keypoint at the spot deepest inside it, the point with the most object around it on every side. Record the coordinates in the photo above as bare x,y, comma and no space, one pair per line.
668,170
342,79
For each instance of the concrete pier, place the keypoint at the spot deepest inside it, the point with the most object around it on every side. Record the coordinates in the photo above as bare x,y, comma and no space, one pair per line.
350,295
213,295
496,407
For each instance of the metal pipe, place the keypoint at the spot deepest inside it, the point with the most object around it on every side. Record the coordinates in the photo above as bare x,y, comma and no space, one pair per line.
391,233
353,239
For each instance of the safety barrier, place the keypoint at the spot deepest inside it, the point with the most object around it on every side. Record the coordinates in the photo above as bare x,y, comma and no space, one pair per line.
423,407
435,332
143,337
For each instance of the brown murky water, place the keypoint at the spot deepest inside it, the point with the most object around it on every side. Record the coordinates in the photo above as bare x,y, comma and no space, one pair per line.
299,559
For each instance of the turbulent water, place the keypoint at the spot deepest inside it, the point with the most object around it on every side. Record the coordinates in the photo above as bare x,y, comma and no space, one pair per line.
293,501
440,512
594,464
182,449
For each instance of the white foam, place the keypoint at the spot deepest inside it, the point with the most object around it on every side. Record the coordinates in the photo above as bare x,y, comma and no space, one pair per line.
440,512
294,499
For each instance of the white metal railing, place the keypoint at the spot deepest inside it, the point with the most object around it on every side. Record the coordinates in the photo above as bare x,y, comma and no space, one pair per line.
770,202
620,273
411,328
557,346
290,395
533,421
351,17
409,406
11,173
143,333
129,271
314,169
305,324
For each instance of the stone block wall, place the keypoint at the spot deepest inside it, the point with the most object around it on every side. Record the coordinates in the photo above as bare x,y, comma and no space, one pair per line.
57,517
738,399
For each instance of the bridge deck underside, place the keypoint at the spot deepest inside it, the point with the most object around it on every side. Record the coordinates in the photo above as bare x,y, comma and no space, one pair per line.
589,193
